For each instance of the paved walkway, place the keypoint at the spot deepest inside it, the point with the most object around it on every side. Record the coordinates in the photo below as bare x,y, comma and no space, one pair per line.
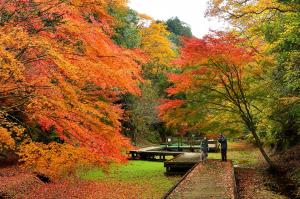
211,179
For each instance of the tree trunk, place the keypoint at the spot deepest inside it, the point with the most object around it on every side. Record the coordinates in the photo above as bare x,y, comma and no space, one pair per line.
263,152
134,136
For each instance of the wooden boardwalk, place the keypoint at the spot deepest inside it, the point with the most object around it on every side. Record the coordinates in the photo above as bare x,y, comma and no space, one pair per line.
206,180
150,153
182,163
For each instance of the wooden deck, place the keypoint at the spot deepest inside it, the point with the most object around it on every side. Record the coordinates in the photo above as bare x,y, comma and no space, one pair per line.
164,150
151,153
160,153
182,163
181,148
206,180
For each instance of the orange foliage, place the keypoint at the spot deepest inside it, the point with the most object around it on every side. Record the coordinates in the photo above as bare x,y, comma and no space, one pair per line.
6,141
169,104
10,134
205,65
156,45
55,160
60,54
219,46
199,54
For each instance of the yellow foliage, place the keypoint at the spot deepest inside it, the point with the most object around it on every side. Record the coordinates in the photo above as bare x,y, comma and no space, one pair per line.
10,133
10,67
246,17
64,75
156,45
6,141
55,160
144,16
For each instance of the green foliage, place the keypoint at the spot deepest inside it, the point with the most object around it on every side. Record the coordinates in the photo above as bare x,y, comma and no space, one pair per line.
273,29
244,157
178,29
142,114
126,30
38,135
160,82
287,50
283,35
290,1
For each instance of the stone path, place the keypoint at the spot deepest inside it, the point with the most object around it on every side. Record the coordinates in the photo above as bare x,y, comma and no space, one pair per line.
211,179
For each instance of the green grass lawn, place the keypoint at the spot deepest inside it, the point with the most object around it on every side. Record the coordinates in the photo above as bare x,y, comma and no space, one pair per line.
240,155
240,158
148,177
137,172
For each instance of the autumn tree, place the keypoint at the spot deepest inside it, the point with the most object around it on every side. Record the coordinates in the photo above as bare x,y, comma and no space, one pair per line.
143,122
272,29
156,45
215,81
61,71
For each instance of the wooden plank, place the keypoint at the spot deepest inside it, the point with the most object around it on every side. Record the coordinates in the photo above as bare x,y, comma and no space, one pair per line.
150,148
161,152
181,163
150,153
187,157
147,149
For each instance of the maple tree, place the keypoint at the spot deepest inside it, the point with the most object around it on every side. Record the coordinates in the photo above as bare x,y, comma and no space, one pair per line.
214,80
272,29
62,71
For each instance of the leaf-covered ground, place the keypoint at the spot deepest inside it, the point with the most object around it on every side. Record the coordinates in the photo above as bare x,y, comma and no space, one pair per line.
143,179
252,184
210,179
253,180
137,179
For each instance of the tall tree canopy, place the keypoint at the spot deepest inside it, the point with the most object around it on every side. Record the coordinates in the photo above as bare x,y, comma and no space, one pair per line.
216,82
156,45
126,30
272,29
61,70
178,29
